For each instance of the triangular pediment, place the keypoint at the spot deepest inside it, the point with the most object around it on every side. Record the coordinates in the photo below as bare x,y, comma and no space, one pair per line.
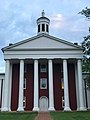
42,42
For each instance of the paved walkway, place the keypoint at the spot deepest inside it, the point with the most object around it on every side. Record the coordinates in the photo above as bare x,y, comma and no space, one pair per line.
43,116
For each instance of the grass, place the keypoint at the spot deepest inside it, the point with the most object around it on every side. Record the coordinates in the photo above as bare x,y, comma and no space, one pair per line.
54,115
70,115
18,116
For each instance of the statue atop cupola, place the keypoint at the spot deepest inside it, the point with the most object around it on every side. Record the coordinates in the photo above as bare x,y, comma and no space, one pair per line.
43,24
43,13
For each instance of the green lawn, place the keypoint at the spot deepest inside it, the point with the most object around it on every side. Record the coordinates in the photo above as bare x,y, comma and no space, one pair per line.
18,116
70,115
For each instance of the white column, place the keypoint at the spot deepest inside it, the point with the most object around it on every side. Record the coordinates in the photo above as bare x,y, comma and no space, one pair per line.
21,80
5,98
80,80
77,90
66,91
35,108
10,87
51,93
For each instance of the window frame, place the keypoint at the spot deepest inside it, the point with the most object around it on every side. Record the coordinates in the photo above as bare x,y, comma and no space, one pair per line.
24,102
63,102
43,70
62,83
41,79
24,84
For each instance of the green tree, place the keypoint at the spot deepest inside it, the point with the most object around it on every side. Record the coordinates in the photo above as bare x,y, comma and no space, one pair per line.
85,12
86,47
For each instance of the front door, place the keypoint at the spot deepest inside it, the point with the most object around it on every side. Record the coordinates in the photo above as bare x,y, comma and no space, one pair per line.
43,104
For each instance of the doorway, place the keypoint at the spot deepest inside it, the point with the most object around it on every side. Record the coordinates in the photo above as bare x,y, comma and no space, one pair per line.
43,103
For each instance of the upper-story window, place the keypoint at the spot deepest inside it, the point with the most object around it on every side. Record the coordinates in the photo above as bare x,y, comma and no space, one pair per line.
43,68
43,27
62,83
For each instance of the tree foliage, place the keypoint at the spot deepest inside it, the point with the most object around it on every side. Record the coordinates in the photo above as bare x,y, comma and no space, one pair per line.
86,47
85,12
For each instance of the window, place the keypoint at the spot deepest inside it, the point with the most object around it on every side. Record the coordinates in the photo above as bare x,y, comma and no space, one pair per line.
38,28
62,83
62,101
24,102
43,68
43,27
24,84
46,28
43,83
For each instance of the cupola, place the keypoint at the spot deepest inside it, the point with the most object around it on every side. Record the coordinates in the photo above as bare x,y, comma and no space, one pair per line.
43,24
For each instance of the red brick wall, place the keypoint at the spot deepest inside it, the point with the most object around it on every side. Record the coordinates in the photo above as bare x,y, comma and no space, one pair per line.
15,87
58,92
29,91
72,86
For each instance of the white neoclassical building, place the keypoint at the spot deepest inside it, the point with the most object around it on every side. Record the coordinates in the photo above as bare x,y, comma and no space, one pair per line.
43,73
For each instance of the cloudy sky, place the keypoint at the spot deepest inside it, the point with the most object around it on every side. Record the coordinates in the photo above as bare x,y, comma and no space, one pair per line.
18,20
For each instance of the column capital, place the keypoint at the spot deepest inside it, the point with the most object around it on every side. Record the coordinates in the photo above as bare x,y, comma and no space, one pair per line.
50,60
21,60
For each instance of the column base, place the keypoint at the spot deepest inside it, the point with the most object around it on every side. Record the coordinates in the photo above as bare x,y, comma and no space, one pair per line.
20,109
67,109
51,109
9,110
88,108
82,109
35,109
78,109
4,109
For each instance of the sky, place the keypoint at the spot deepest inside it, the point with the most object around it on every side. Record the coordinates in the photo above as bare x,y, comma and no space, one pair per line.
18,20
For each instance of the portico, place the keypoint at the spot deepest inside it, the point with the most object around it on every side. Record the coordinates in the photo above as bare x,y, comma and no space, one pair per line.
6,107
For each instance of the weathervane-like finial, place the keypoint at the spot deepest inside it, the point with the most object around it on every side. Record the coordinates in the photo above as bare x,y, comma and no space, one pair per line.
43,13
